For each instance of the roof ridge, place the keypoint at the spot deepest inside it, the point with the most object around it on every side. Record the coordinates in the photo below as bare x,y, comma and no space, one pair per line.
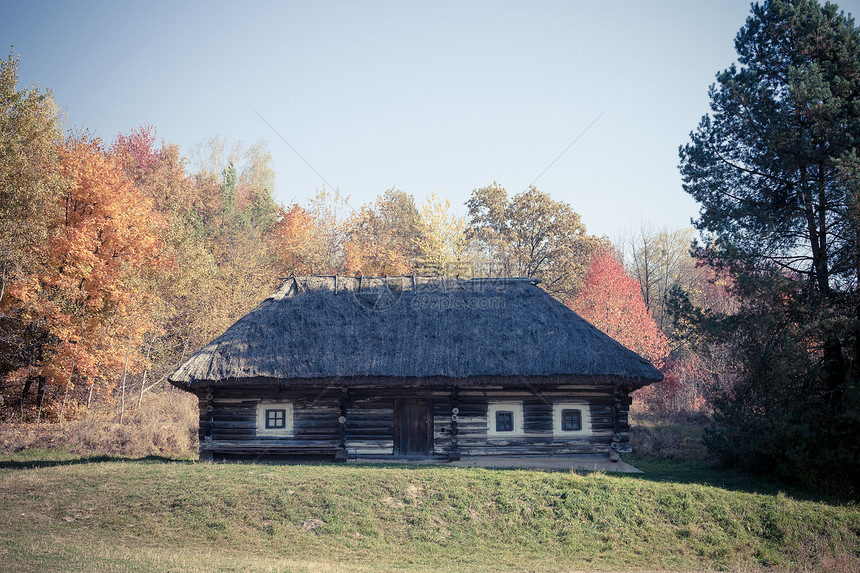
413,276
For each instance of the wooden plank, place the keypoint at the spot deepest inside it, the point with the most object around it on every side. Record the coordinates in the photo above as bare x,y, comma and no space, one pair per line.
556,451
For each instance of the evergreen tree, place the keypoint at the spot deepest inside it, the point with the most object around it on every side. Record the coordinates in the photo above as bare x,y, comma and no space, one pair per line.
773,170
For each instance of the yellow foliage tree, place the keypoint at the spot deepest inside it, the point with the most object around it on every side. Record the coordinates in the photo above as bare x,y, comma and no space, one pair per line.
442,247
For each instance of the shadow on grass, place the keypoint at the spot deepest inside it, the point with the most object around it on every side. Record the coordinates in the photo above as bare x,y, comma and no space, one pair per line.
707,473
34,464
685,472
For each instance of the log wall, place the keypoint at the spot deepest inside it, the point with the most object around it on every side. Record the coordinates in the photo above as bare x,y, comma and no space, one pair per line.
538,439
228,421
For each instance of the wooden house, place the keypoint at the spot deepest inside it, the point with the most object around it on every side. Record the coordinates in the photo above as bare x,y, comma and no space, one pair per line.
414,367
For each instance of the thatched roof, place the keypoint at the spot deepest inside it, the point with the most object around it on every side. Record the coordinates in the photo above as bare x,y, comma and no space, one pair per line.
413,331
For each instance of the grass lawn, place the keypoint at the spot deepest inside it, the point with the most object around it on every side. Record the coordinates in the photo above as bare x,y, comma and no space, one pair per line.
62,512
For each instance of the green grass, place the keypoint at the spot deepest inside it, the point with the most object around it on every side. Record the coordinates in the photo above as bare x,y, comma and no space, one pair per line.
58,511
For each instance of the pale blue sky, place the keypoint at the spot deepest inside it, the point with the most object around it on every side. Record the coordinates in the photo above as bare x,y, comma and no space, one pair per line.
441,96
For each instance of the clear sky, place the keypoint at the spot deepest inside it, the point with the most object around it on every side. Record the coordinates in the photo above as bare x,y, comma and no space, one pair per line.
431,96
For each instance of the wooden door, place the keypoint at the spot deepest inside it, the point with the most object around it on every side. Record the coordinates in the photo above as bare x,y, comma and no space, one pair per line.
413,427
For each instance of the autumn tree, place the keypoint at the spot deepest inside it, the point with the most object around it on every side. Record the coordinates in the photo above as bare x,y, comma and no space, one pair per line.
296,241
87,296
442,247
771,167
531,235
29,191
311,239
29,132
183,283
240,217
612,301
329,210
381,237
245,178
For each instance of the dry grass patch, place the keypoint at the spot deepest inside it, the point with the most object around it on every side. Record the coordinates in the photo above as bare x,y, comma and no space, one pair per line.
673,438
165,425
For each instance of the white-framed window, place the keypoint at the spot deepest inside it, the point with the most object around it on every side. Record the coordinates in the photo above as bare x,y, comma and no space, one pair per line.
571,419
274,419
505,419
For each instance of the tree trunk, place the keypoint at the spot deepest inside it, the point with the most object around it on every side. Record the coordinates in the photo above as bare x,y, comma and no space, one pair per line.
124,372
855,366
63,407
3,281
817,243
26,389
40,394
142,386
833,361
145,372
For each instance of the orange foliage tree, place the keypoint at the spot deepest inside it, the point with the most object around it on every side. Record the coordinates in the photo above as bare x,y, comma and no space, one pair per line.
294,241
612,301
86,295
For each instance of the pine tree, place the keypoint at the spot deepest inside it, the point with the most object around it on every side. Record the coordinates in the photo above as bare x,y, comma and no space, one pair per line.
773,169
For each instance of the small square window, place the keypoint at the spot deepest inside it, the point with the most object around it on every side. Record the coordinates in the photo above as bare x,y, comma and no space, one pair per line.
504,421
276,419
571,420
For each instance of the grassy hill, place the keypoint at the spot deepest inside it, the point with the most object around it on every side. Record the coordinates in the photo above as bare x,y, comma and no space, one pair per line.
156,514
